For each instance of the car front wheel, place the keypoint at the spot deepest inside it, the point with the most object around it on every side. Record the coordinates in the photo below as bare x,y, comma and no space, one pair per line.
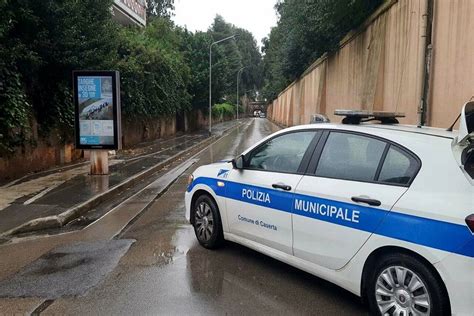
207,222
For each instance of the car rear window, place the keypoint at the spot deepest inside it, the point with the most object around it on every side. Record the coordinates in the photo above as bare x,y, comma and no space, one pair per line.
398,167
350,157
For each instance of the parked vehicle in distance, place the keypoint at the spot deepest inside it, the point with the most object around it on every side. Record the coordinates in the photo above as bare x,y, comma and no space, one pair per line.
262,115
385,211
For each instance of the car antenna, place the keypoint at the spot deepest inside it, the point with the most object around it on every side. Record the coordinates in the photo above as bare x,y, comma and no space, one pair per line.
450,129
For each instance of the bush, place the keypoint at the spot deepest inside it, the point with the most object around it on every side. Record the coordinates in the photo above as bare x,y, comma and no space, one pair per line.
223,111
154,76
42,42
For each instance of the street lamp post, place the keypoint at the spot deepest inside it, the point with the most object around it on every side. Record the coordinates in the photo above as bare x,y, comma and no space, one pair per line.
210,78
238,77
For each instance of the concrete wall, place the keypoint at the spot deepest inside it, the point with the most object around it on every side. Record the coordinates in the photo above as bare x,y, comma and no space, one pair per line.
381,67
452,81
44,153
135,131
199,119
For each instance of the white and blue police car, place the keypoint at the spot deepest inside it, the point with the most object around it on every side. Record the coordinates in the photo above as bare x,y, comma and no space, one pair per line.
382,210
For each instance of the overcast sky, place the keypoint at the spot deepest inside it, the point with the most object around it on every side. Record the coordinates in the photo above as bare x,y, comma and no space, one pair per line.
256,16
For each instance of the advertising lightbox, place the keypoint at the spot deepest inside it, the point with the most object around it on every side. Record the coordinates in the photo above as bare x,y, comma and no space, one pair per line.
97,109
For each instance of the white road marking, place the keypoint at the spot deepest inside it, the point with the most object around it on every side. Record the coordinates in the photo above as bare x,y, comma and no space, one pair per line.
42,193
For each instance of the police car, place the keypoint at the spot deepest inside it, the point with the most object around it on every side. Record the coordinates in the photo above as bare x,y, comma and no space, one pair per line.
382,210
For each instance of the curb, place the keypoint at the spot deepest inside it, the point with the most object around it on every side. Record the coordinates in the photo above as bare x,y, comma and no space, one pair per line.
57,221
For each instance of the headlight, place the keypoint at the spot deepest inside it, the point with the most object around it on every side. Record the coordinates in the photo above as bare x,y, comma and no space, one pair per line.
190,179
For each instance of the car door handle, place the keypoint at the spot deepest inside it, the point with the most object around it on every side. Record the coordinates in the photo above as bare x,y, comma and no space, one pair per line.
281,186
371,202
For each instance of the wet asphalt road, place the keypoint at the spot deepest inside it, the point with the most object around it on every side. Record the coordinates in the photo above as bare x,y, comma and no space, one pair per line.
166,271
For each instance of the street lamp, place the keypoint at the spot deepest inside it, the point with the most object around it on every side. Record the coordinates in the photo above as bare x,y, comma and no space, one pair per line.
210,78
238,77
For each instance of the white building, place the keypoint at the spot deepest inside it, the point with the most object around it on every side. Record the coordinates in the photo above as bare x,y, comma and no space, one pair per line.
130,12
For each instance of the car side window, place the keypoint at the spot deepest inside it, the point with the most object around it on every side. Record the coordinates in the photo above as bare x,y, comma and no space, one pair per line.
282,154
350,157
398,167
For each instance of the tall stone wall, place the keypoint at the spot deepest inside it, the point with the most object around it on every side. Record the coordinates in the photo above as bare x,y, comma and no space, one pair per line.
381,67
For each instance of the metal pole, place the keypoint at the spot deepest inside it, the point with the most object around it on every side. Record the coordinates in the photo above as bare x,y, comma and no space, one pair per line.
237,107
210,79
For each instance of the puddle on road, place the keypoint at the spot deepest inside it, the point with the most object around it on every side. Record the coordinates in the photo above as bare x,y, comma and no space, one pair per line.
66,271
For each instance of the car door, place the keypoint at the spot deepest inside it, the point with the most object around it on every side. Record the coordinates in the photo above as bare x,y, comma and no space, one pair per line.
353,180
260,196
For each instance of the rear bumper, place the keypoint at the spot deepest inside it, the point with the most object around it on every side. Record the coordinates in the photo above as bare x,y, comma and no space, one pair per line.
458,275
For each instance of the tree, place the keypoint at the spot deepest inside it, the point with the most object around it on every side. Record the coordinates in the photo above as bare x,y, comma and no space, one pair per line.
274,79
231,56
195,48
52,38
305,31
252,78
160,8
164,68
155,75
14,106
227,60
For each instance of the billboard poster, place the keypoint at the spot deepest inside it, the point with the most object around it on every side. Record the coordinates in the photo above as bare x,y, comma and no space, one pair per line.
97,99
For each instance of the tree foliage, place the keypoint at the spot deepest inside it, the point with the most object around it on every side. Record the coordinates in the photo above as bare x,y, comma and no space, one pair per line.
195,48
227,58
160,8
305,31
41,43
154,76
223,110
164,68
14,107
230,56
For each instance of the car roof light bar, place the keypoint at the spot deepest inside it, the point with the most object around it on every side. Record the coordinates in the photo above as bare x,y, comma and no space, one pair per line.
360,116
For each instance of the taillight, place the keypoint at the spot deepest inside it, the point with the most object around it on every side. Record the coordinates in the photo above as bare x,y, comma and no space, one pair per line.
470,222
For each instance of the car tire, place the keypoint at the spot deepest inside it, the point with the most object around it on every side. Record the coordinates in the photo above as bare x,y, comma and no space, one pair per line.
384,292
207,222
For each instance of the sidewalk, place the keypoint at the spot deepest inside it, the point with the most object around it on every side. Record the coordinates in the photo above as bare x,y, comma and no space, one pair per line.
53,198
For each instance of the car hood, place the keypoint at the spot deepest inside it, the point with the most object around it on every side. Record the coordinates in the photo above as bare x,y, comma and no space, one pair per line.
214,170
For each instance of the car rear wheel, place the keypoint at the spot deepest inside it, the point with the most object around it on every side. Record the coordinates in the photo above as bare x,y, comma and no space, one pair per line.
207,222
403,285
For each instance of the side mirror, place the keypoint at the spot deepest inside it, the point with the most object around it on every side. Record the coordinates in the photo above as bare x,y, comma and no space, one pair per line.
238,163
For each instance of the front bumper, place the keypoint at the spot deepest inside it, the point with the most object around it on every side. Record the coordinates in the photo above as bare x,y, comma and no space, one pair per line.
187,202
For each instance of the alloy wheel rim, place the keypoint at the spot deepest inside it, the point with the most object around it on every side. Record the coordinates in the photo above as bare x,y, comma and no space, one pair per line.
204,221
399,291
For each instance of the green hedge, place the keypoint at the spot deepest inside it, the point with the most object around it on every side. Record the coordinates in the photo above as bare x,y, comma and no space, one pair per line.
223,110
163,68
42,42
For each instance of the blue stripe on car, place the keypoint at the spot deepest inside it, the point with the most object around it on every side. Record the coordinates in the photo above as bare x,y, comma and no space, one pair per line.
418,230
